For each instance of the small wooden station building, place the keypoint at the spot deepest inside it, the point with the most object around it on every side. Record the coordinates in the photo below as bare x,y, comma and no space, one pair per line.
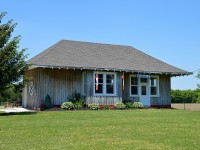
102,73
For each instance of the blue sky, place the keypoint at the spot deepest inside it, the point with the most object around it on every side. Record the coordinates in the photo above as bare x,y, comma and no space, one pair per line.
168,30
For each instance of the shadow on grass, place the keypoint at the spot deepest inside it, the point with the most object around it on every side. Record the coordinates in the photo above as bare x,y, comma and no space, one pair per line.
16,113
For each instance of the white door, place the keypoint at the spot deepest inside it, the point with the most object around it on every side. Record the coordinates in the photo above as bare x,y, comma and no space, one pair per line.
144,92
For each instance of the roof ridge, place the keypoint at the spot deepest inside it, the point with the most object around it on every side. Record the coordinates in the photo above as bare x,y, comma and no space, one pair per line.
96,43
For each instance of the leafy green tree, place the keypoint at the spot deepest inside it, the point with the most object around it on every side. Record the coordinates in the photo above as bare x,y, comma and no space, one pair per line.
198,89
187,96
11,94
12,61
197,92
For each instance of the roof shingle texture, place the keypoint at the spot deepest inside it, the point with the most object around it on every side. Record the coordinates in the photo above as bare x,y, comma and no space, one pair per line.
67,53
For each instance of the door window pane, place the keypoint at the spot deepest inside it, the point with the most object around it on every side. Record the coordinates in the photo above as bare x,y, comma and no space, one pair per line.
143,90
143,80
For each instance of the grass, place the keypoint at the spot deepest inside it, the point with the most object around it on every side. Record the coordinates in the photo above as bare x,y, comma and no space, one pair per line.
108,129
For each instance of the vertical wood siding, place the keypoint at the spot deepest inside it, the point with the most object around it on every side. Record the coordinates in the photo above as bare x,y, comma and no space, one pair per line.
60,84
57,83
126,92
165,91
103,100
90,83
119,84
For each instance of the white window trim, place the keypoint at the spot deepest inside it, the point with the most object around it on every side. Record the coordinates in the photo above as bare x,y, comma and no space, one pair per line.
157,86
104,83
134,95
139,84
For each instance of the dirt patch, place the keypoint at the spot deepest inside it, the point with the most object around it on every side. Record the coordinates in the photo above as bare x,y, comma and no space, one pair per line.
190,106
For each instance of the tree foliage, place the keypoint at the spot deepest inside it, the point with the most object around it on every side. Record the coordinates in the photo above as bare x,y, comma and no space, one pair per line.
12,61
10,94
187,96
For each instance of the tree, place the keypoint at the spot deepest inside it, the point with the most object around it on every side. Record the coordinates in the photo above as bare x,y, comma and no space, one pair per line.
12,61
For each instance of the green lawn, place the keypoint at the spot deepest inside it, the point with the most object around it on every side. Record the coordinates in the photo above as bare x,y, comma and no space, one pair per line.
108,129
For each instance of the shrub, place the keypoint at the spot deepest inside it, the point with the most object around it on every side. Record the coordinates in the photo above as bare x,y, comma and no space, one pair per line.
80,104
138,105
126,101
77,100
129,105
120,105
76,97
67,105
48,103
94,106
106,107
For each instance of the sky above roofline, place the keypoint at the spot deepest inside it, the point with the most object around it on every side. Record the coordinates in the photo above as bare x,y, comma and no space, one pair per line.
167,30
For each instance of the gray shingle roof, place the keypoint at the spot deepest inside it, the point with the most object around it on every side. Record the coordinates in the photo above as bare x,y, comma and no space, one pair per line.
87,55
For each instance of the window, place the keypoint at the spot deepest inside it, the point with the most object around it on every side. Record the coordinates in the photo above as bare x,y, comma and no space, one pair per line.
143,90
154,86
144,85
134,85
105,83
99,84
109,84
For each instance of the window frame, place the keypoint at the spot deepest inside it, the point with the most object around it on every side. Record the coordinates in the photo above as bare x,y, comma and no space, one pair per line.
157,86
149,85
134,95
104,93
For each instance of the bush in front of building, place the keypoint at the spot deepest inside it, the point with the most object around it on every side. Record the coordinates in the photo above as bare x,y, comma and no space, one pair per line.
67,105
138,105
129,105
93,106
77,100
120,106
80,104
106,106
